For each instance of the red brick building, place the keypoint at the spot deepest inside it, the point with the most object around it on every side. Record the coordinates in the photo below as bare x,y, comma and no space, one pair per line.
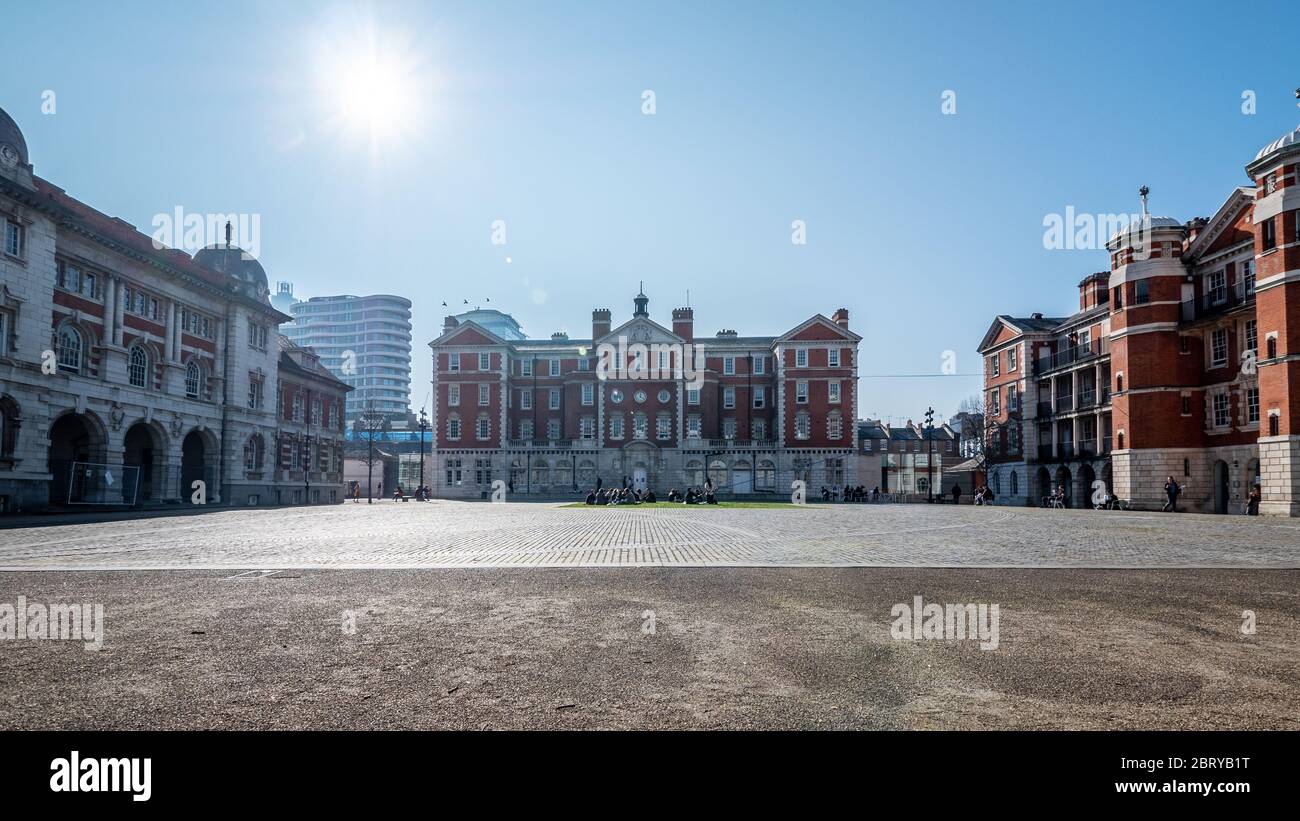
1183,360
657,406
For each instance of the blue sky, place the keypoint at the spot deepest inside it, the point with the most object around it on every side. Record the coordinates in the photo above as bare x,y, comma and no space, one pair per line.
924,225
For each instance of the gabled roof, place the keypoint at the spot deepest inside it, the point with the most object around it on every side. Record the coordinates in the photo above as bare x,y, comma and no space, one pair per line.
1241,197
621,330
451,333
1021,325
291,353
816,319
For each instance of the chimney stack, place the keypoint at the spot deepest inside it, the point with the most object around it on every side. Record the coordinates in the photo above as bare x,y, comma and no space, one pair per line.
600,324
841,318
684,323
449,323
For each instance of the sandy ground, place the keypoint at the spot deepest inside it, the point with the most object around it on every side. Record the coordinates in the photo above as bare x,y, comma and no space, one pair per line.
730,648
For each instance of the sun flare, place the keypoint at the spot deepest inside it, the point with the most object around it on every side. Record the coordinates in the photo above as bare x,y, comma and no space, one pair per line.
369,83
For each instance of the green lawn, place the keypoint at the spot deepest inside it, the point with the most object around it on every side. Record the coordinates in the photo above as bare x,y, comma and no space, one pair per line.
659,504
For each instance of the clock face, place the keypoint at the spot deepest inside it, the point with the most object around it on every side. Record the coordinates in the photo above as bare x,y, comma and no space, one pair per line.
663,396
8,155
616,396
639,396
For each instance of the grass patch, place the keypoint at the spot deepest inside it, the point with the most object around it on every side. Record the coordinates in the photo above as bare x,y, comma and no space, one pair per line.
663,504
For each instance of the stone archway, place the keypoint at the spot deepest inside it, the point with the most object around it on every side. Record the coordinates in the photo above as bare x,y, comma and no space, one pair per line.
1083,490
198,463
145,447
75,437
1044,482
1066,480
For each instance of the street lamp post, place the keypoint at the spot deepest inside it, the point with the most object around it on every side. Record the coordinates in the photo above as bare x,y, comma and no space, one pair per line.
929,462
424,425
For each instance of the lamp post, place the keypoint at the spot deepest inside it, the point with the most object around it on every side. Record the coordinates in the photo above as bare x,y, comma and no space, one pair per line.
424,425
929,462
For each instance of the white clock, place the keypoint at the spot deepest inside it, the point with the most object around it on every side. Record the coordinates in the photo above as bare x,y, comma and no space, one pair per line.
8,155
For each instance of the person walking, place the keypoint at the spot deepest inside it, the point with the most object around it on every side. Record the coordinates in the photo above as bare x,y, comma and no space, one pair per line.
1171,494
956,494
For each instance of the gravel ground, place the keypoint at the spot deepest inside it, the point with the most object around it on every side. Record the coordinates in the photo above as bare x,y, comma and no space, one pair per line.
732,648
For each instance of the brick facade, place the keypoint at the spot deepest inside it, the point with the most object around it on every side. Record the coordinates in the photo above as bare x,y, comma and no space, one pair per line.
552,415
1194,354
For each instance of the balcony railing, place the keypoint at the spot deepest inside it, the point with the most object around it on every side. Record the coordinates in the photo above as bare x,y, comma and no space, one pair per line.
1217,300
1044,409
1087,447
1071,356
1064,403
1086,400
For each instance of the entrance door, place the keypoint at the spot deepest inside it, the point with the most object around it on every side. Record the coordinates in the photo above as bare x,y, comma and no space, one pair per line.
638,478
1220,487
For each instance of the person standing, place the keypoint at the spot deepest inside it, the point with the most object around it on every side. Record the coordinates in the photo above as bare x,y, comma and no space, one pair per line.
1171,494
956,494
1252,501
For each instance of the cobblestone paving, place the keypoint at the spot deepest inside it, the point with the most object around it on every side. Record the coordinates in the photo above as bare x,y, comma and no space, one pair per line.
475,534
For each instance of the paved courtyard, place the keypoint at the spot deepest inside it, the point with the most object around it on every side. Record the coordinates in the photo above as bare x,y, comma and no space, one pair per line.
478,534
478,615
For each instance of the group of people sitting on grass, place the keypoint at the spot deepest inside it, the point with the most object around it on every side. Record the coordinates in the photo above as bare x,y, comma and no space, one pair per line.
850,494
616,496
694,495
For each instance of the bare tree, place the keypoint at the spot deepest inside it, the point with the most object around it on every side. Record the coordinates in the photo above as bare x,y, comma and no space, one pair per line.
981,435
370,425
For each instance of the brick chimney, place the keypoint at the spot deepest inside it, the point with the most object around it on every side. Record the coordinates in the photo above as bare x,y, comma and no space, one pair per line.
684,323
449,323
600,323
841,318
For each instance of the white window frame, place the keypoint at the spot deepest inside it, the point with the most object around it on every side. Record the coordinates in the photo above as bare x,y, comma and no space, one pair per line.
729,398
801,358
801,392
833,392
1215,360
553,399
833,357
484,394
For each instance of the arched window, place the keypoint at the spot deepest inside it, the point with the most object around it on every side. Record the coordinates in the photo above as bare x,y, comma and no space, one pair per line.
834,425
995,482
1015,484
765,476
802,426
69,353
253,454
138,368
694,472
718,473
193,379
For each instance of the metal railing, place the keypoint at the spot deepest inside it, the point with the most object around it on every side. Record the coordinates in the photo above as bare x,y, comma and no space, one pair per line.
1070,356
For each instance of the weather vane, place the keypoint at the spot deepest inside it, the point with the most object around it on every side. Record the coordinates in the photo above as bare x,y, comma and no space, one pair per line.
1143,191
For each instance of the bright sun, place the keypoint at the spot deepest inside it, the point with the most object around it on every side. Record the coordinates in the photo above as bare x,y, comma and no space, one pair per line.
369,82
